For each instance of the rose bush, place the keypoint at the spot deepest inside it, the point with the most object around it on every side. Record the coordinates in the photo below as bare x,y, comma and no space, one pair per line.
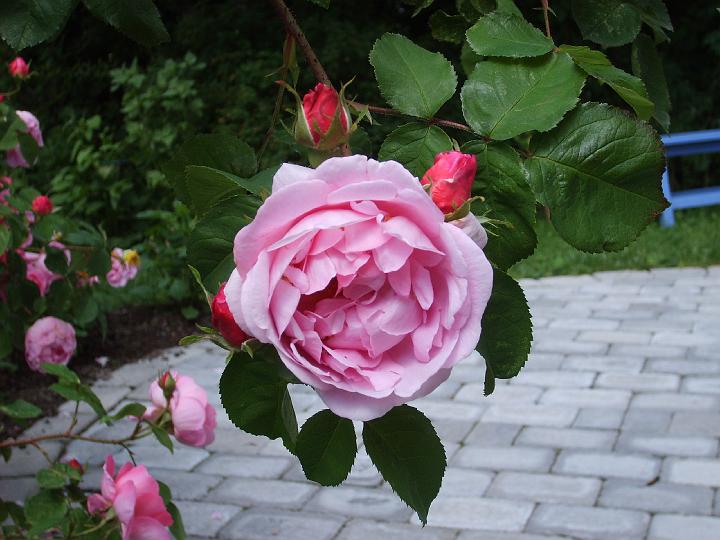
351,272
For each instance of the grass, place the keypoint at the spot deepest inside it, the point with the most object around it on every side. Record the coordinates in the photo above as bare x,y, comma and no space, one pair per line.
693,241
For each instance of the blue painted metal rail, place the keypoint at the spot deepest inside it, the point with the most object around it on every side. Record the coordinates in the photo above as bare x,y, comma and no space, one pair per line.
687,144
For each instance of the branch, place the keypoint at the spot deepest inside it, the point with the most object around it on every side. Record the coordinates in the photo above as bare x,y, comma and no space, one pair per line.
136,434
293,28
545,8
392,112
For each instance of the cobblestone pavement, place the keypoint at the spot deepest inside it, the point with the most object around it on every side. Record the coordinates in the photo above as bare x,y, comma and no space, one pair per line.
610,432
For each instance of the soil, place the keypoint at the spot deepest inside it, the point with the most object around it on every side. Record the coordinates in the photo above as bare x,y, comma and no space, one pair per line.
133,333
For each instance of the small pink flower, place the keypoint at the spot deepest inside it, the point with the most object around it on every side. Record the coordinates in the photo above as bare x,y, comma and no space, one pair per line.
19,68
450,179
193,417
37,271
42,205
124,266
224,322
134,495
49,341
14,156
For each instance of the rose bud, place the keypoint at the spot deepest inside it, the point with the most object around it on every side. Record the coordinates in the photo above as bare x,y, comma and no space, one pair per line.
450,179
167,384
18,68
75,464
323,120
224,322
42,205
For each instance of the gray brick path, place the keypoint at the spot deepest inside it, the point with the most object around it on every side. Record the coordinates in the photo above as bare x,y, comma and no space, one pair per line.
611,432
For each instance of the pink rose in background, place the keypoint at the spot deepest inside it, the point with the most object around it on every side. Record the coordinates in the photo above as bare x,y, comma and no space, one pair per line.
450,179
42,205
224,322
351,272
319,107
19,68
193,418
124,266
35,268
134,495
49,341
14,156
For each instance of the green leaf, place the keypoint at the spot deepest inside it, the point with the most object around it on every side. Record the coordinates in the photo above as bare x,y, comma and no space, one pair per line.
489,386
79,392
139,20
647,65
217,151
45,510
415,145
178,527
502,34
413,80
57,476
63,373
503,182
10,129
610,23
408,453
24,23
505,97
326,447
20,409
599,172
210,246
508,6
131,409
654,13
630,88
255,396
207,186
473,9
5,238
468,58
449,28
506,329
163,438
322,3
85,309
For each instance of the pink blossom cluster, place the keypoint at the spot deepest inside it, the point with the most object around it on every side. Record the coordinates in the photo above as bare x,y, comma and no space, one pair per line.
124,267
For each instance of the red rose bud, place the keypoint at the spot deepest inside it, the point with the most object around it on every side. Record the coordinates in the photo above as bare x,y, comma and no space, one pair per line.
75,464
42,205
324,120
167,383
224,322
18,68
450,179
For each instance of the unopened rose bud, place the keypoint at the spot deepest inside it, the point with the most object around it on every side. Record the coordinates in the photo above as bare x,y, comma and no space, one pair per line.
18,68
450,179
75,464
224,322
42,205
323,121
167,383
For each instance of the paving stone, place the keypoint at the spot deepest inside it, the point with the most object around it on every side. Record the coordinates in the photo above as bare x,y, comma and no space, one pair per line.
696,423
360,502
615,336
585,324
514,458
245,466
683,339
699,472
641,382
563,379
27,461
441,410
264,525
503,394
17,489
660,497
607,465
453,430
183,458
683,367
492,434
676,402
625,364
646,421
648,351
569,346
531,415
566,438
205,519
668,445
545,488
190,486
251,492
589,523
359,529
702,385
477,513
586,397
465,482
599,418
541,361
236,441
673,527
486,535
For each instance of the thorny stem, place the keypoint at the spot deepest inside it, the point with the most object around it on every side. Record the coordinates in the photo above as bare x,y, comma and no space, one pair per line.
392,112
136,434
545,8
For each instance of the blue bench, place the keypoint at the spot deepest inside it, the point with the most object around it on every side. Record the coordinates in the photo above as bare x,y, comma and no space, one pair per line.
687,144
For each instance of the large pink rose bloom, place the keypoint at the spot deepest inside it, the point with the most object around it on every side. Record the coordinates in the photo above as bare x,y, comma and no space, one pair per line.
135,496
350,271
194,420
49,341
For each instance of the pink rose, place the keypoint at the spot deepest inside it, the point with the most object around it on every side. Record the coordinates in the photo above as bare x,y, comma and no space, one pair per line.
471,226
314,122
450,179
14,156
42,205
134,495
19,68
123,267
224,322
49,341
35,268
193,418
351,272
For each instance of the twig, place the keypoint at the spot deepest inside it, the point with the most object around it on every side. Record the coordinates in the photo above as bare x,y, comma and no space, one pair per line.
136,434
392,112
292,28
545,8
276,109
